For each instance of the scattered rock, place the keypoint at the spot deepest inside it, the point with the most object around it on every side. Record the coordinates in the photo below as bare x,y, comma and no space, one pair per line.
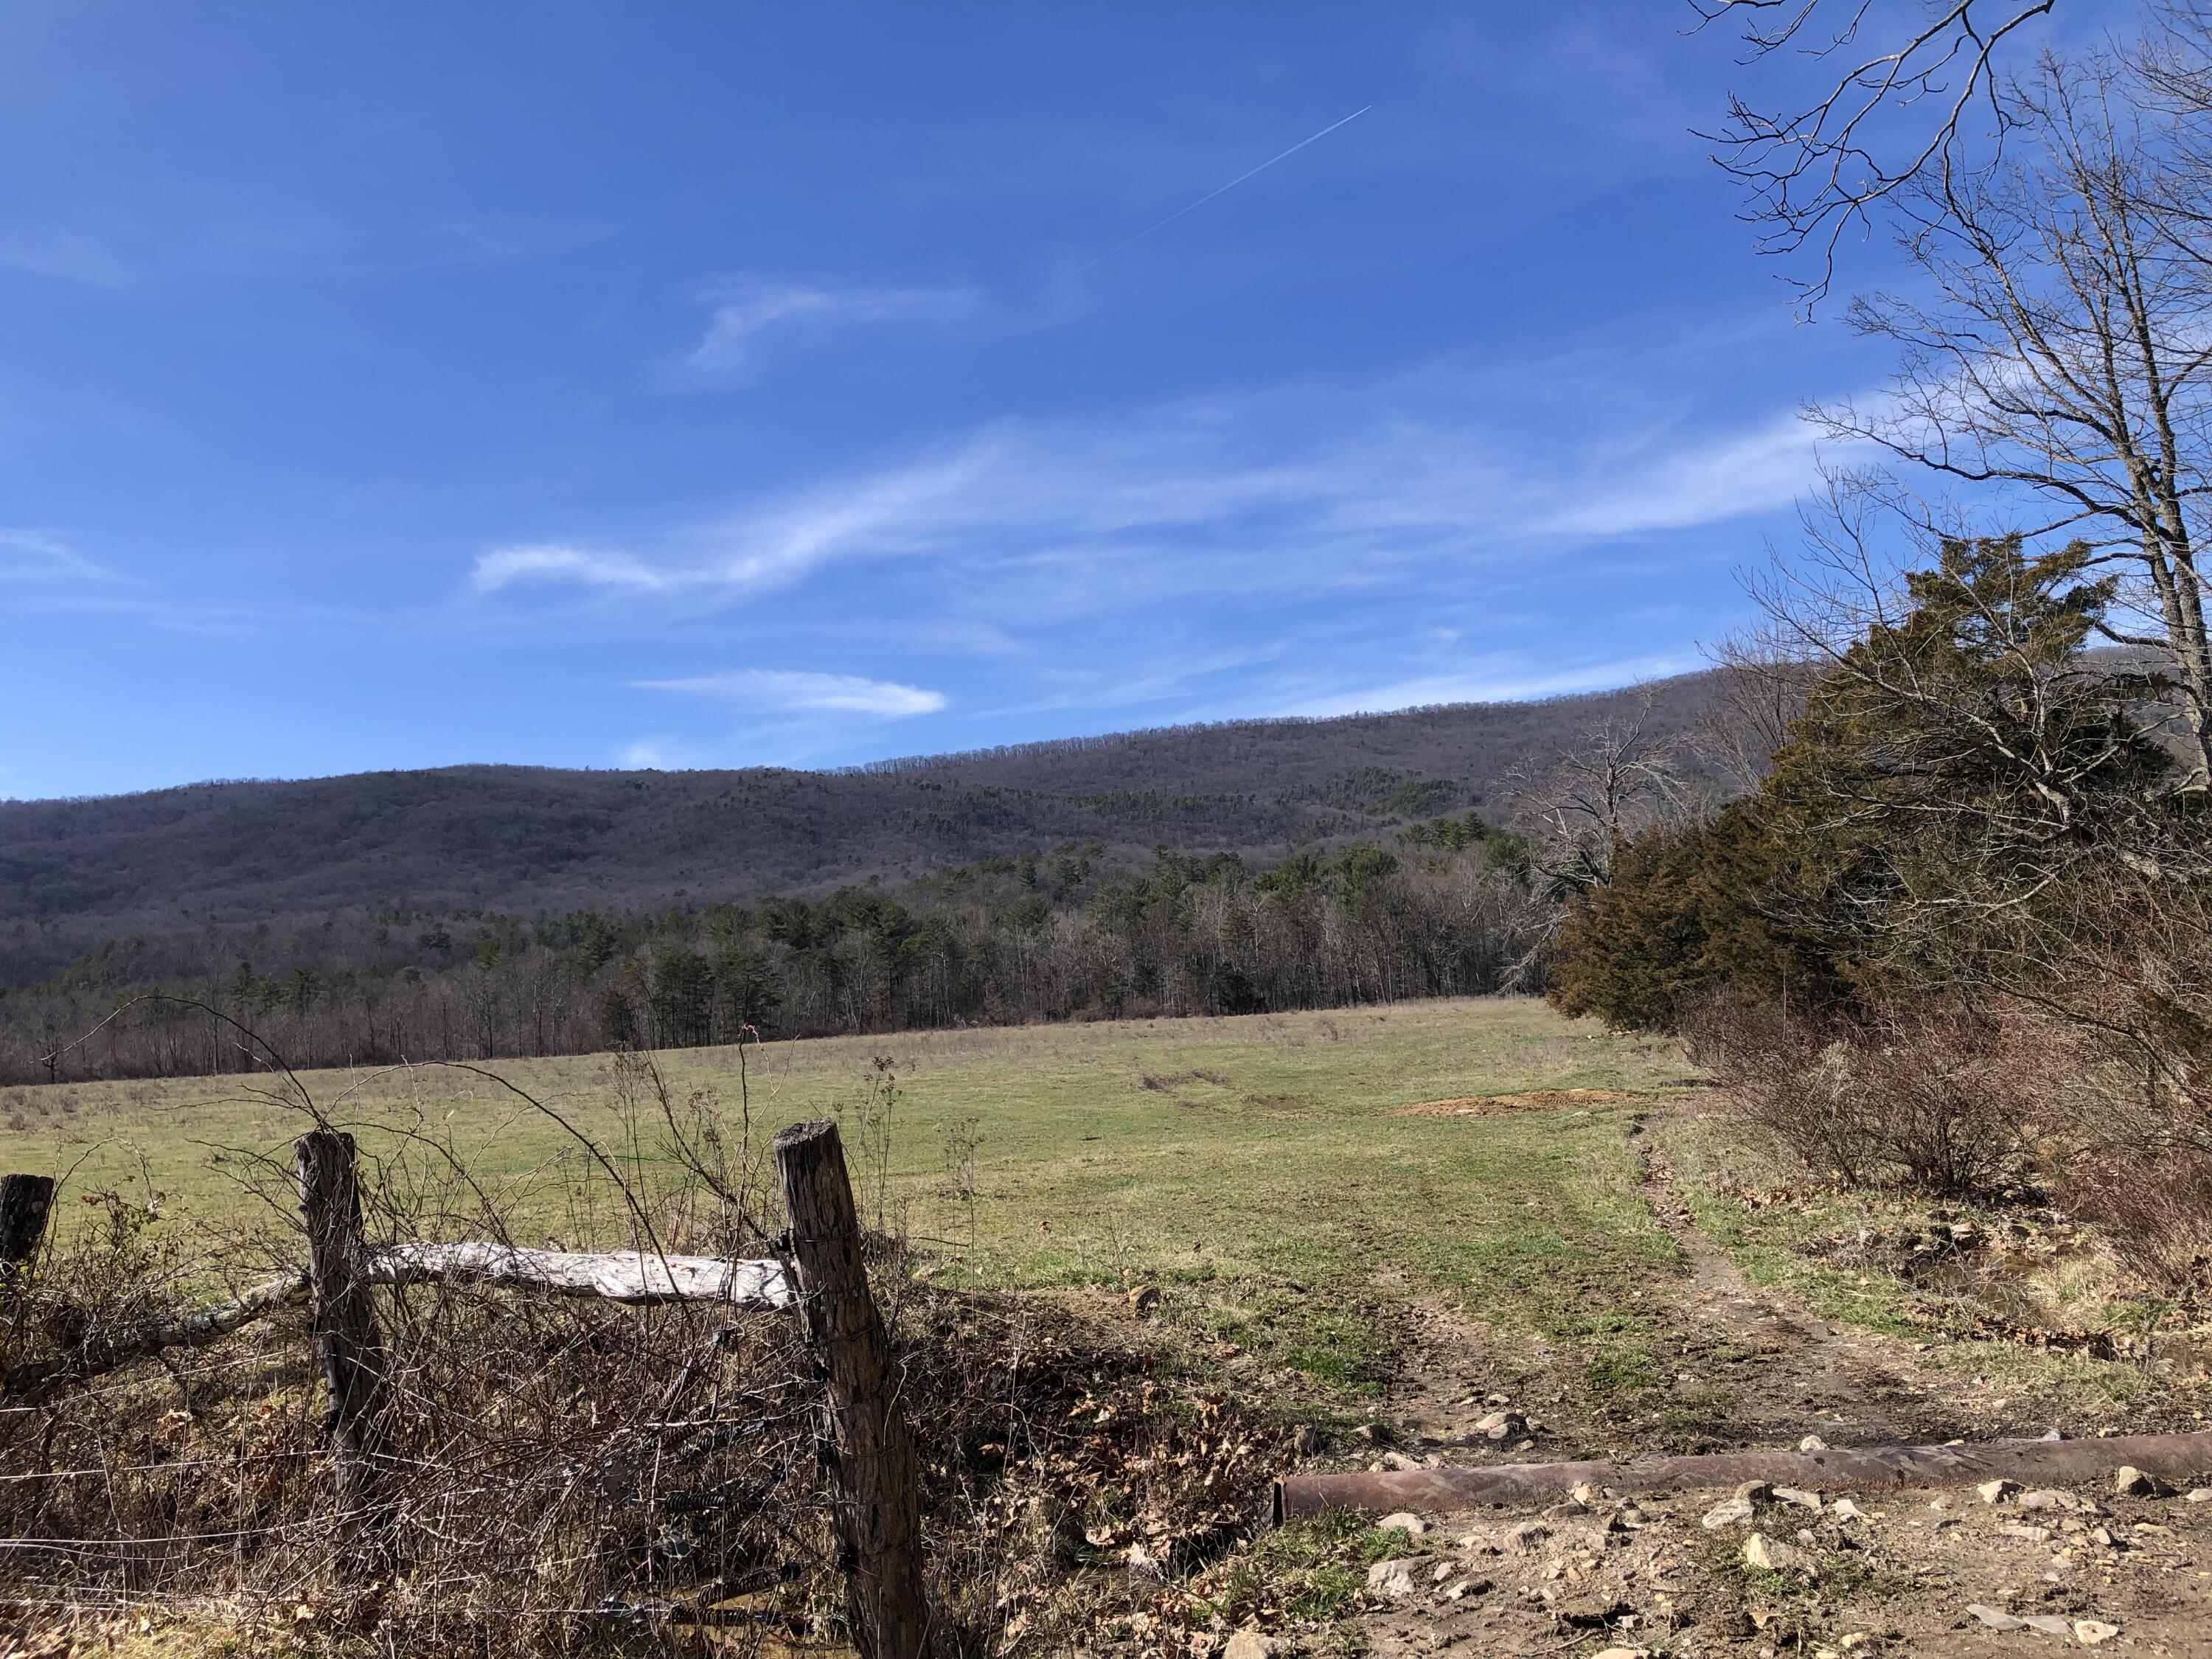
1735,1512
2199,1495
1760,1551
2093,1632
1996,1491
1523,1539
2128,1481
1405,1521
1797,1495
1444,1571
1393,1578
1591,1610
1248,1644
1812,1442
1144,1299
2033,1535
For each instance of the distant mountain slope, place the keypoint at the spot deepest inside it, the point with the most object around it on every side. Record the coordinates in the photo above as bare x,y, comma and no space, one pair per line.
528,840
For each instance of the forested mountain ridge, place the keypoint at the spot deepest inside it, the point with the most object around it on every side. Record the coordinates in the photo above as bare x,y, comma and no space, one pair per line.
169,863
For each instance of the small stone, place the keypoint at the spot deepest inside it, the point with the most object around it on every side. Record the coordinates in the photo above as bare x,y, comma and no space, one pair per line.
1405,1521
2099,1537
1144,1299
1735,1512
1248,1644
1996,1491
2049,1624
2128,1481
2033,1535
2093,1632
1444,1571
1393,1578
1523,1539
1797,1495
1812,1442
1760,1551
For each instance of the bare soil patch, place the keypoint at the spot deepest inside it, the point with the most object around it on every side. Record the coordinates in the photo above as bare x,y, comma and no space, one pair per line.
1534,1100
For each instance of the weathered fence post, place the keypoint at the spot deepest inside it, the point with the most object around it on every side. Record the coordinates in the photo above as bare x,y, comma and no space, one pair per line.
25,1202
878,1509
343,1316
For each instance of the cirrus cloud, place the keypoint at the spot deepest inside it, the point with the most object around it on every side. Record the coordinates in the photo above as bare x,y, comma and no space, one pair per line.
798,691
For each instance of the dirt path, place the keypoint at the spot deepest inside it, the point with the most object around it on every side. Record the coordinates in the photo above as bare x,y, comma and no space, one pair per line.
1896,1573
1786,1372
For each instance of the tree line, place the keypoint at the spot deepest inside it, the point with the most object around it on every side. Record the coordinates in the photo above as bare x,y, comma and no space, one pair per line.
1451,906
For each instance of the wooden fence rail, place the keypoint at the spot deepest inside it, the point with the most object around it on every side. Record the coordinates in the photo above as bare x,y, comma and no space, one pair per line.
877,1512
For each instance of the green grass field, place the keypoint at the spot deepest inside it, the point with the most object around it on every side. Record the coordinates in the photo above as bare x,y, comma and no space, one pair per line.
1260,1170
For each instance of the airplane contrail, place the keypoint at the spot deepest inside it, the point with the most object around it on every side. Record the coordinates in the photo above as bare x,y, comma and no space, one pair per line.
1225,189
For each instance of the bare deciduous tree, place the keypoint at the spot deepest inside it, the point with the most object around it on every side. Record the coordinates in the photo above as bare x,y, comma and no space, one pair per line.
1894,106
2056,357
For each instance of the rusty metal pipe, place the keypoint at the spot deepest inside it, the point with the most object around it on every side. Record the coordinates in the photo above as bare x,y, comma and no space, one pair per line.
2174,1457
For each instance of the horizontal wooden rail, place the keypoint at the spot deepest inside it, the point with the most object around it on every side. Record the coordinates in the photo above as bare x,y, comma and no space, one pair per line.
633,1278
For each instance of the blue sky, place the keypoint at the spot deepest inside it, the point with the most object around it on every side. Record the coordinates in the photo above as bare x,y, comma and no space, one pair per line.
717,384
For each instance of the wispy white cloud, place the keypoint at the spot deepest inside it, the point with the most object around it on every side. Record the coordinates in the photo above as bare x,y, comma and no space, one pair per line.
31,556
797,691
748,309
1302,489
552,562
1499,680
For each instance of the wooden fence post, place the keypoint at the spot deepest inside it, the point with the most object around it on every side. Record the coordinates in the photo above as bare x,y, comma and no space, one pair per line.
343,1315
879,1509
25,1202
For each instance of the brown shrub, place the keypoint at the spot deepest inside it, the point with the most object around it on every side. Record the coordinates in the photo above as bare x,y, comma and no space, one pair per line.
1927,1098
